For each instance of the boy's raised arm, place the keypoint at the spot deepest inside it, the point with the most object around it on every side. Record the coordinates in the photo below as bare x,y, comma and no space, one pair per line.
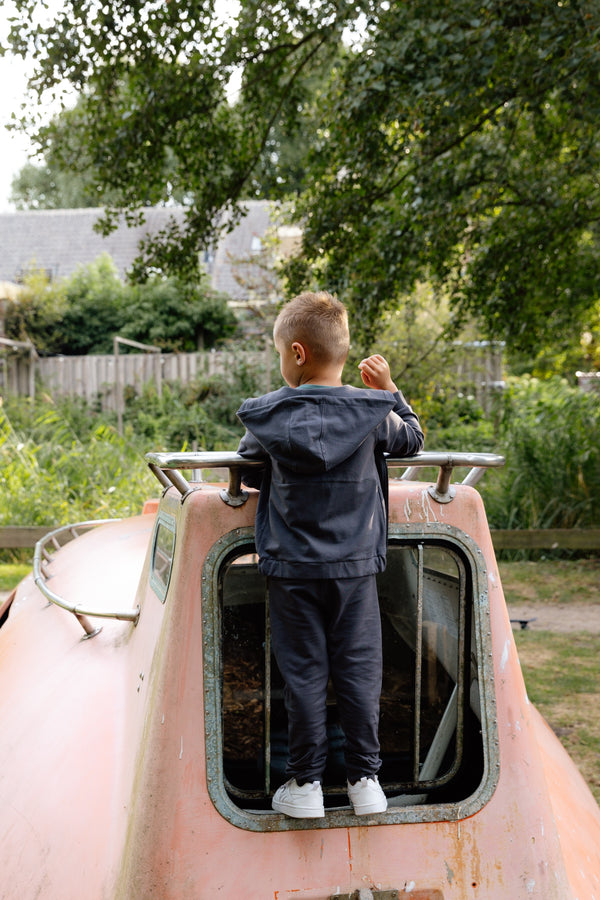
401,432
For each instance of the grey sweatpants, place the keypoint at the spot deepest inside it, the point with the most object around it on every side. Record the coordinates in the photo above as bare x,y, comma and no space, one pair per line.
321,628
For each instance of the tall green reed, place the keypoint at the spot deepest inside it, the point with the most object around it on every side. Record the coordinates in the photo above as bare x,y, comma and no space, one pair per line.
549,433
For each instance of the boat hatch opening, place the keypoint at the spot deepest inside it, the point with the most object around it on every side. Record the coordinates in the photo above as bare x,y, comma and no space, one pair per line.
435,733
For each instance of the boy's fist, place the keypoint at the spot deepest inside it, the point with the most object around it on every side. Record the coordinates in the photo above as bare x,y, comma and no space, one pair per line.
375,373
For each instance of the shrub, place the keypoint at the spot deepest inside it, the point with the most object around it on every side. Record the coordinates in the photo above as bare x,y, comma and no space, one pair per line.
81,314
177,316
51,474
550,435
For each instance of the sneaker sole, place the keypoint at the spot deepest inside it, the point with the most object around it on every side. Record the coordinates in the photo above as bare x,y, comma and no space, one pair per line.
369,810
298,813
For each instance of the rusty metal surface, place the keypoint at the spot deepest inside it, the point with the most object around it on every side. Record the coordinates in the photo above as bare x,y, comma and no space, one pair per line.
109,771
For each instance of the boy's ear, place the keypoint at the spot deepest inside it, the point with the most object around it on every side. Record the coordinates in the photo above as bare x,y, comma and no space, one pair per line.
299,351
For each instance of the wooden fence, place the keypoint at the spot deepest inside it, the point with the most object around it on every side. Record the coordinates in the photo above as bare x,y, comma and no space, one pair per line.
99,379
96,377
19,536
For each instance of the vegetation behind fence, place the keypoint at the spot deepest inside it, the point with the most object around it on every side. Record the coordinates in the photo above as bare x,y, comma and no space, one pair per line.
98,378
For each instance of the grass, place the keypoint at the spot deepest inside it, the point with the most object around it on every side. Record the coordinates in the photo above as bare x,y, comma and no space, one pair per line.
12,573
551,581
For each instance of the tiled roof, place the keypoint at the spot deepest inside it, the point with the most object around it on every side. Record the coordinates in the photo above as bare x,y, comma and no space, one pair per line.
61,240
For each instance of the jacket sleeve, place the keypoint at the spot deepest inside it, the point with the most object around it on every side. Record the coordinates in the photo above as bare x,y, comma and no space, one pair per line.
400,432
251,449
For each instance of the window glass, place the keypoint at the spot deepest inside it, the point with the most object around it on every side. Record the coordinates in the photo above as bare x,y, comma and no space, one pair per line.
163,549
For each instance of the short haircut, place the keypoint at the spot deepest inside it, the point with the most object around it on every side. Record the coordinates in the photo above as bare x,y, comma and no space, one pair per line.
318,320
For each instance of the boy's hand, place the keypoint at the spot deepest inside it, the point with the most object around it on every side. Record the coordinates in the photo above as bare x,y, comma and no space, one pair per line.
375,373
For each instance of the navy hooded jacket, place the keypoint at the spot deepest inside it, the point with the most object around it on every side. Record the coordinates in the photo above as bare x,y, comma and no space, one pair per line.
321,509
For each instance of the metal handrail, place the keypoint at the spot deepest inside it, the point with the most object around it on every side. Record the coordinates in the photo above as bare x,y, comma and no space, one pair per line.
40,576
166,466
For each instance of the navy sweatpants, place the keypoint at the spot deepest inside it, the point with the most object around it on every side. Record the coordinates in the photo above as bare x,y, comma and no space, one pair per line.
323,627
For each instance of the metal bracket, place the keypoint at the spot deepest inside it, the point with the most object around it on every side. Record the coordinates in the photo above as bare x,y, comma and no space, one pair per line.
443,491
234,495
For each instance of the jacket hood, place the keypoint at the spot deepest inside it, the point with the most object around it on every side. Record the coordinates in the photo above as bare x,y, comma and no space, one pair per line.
314,429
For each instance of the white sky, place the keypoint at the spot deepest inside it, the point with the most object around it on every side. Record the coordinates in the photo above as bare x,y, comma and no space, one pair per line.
14,146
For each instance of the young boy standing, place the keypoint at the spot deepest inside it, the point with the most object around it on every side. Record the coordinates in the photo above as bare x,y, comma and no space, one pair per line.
321,539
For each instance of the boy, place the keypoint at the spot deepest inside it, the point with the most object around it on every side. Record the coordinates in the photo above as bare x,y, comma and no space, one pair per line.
321,536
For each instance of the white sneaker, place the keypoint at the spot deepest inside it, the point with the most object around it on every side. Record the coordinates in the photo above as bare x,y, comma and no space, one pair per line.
366,796
299,802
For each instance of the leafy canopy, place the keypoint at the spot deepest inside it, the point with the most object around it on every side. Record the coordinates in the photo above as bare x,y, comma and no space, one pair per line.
457,142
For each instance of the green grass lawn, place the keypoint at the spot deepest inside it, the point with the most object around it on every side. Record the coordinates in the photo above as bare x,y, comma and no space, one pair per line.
12,573
551,581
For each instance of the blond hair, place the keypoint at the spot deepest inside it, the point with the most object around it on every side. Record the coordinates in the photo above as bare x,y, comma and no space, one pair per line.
318,320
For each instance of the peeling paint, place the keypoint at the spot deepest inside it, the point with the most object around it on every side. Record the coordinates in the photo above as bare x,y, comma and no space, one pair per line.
429,513
504,657
449,872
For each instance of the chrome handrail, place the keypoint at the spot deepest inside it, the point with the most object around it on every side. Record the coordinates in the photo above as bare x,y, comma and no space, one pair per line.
166,466
40,576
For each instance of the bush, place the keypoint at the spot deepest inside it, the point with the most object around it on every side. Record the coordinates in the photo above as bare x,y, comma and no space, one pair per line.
63,462
52,474
200,415
177,316
81,314
549,433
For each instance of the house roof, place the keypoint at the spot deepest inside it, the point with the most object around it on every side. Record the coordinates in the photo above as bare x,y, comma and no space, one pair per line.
60,240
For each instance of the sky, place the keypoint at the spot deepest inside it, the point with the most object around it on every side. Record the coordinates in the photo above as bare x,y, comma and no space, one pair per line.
14,147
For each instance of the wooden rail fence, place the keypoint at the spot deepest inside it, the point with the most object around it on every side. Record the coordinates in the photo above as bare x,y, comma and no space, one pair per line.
102,378
26,536
546,539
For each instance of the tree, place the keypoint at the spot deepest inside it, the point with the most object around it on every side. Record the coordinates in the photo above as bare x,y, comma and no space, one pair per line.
455,142
72,316
45,187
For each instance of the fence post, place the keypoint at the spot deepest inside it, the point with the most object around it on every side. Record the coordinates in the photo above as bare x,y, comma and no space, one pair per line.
30,374
148,348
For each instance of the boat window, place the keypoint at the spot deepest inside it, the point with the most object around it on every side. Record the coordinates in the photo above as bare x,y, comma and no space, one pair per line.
432,730
163,549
